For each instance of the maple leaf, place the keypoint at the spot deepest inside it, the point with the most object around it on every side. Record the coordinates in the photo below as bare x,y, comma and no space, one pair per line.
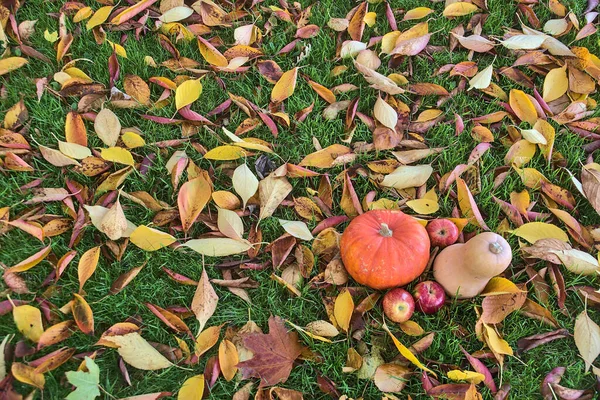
85,382
274,354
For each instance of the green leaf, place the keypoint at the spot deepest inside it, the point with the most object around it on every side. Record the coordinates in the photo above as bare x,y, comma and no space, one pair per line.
85,382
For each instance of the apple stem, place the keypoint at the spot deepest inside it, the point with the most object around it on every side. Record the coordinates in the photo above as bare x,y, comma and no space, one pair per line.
385,230
495,248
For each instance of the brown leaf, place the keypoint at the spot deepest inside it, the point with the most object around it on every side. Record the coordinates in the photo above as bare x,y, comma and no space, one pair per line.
274,353
137,88
590,181
205,300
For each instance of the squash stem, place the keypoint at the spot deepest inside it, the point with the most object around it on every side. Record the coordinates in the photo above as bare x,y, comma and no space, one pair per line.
495,248
385,230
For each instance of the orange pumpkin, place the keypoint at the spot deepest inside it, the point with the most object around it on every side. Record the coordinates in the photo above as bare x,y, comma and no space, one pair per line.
383,249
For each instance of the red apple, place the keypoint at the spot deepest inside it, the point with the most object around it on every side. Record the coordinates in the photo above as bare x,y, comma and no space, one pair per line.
398,305
429,297
442,232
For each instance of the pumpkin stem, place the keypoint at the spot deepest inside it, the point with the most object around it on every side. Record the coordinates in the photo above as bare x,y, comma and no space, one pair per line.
385,230
496,248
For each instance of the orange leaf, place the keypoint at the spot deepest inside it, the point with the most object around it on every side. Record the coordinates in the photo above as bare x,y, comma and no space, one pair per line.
357,23
87,265
191,200
82,313
75,129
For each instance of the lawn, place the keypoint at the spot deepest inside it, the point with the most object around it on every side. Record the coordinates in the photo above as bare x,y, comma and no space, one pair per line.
454,325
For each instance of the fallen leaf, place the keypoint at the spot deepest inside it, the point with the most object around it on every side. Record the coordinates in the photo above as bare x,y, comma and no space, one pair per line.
137,352
205,300
87,265
28,320
187,92
192,388
86,383
108,127
343,310
191,200
285,86
274,354
587,338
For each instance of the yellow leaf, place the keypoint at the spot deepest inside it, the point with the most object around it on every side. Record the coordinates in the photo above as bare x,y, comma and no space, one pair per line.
117,155
211,54
192,388
343,309
285,86
217,246
417,13
370,18
469,376
556,83
207,339
133,140
11,63
28,375
187,93
228,359
405,352
522,106
50,36
459,9
226,152
498,285
120,50
495,342
534,231
411,328
426,205
99,17
150,239
82,14
29,322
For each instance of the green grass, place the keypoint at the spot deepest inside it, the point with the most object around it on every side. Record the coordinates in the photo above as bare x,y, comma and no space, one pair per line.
46,121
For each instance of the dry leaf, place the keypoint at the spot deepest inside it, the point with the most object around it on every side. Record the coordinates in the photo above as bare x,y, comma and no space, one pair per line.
205,301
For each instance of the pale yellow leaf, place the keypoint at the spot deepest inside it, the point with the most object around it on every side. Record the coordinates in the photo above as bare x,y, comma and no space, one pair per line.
297,229
218,247
244,182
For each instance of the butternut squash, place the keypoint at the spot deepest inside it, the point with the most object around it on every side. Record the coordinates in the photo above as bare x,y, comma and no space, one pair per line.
464,269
